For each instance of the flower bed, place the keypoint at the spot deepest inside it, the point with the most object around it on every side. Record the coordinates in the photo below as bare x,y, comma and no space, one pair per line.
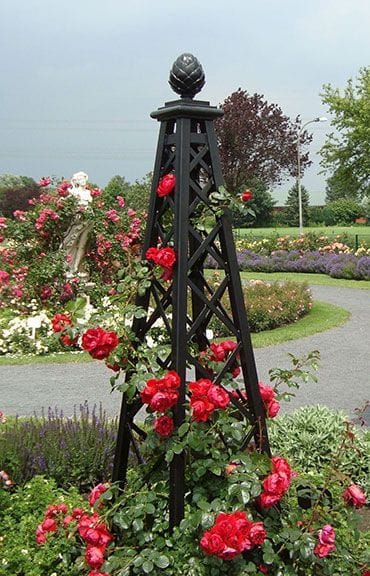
341,265
269,304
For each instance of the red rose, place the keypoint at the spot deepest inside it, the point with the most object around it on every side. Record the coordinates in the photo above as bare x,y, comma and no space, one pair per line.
218,397
354,496
162,401
171,380
40,535
166,185
272,409
99,343
247,195
97,491
201,409
231,535
164,426
93,573
212,543
94,556
281,467
46,292
166,257
152,253
49,525
257,533
218,352
322,550
60,322
67,340
200,387
167,274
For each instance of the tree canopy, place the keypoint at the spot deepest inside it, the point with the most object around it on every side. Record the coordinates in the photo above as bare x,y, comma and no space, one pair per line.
347,152
256,140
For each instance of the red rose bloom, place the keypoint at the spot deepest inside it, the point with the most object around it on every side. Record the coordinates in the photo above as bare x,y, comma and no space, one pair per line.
97,491
218,397
247,195
201,409
49,525
94,557
152,253
60,322
99,343
354,496
231,535
164,426
166,257
67,340
161,394
166,185
162,401
257,533
277,483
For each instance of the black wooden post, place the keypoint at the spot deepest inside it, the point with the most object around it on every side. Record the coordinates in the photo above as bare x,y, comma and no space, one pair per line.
187,146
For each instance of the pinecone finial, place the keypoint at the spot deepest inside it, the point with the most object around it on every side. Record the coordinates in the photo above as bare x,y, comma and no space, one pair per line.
187,76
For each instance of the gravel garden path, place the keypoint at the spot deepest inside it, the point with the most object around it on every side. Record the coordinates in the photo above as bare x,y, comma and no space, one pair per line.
343,376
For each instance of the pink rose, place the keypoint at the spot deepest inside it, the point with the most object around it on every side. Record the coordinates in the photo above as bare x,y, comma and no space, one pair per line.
354,496
45,181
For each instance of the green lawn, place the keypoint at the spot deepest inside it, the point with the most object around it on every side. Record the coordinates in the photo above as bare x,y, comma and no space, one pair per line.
321,279
287,231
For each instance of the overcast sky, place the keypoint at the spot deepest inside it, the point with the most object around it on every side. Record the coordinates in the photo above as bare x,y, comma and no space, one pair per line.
80,78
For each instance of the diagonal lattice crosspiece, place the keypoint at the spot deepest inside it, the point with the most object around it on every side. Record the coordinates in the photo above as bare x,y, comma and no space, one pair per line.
190,302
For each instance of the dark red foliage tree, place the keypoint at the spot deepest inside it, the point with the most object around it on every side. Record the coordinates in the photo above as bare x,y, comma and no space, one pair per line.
257,140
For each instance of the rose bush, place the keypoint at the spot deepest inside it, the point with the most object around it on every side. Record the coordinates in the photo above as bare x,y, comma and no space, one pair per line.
244,512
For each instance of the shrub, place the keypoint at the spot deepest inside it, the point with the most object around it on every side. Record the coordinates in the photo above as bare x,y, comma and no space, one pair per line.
311,437
15,192
73,451
269,305
343,211
20,512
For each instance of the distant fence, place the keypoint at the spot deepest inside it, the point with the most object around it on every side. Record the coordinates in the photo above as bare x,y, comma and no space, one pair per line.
355,240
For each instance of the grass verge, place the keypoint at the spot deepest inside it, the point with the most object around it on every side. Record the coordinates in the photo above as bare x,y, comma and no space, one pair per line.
330,231
321,279
60,358
322,317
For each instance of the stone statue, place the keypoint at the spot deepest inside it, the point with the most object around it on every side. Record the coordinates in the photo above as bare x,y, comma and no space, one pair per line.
77,236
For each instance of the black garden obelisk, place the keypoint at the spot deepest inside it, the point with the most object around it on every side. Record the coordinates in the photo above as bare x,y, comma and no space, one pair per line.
187,147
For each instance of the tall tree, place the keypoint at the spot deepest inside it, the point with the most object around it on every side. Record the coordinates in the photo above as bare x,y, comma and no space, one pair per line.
257,140
292,211
348,151
342,184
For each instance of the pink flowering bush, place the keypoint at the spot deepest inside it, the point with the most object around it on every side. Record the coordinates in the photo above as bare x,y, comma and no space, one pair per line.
33,262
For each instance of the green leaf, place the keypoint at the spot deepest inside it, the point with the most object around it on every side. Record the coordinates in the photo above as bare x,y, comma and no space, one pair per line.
183,429
162,562
148,566
137,524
